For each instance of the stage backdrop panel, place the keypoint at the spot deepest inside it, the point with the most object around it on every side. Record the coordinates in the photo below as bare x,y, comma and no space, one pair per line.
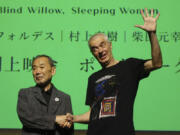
61,29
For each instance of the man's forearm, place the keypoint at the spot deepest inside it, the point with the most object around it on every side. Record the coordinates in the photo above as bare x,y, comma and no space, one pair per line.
155,50
83,118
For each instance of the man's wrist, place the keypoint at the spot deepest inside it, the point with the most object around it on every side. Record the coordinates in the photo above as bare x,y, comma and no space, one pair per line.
151,32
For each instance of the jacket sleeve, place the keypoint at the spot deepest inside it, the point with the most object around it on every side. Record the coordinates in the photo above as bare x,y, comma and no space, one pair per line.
31,119
69,131
68,105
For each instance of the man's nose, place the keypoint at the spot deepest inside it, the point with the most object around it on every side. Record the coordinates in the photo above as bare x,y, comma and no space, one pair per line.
37,71
100,49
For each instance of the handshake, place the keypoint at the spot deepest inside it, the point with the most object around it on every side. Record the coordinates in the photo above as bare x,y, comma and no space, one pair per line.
64,120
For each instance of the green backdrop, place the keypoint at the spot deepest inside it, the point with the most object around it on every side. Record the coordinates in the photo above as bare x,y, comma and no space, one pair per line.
61,29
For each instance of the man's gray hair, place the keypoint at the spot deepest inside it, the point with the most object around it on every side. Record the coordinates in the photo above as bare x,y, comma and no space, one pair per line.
96,35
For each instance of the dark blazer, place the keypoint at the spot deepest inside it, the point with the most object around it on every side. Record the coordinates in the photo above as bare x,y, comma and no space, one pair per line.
37,117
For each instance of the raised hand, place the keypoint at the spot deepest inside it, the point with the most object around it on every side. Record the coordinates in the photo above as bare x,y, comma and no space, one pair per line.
149,21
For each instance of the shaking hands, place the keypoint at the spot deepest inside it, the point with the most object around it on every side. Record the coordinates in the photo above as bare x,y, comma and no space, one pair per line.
64,120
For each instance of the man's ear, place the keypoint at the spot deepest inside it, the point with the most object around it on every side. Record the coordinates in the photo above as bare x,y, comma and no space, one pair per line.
110,43
53,70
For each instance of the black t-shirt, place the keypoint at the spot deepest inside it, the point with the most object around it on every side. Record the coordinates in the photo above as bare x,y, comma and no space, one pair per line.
111,93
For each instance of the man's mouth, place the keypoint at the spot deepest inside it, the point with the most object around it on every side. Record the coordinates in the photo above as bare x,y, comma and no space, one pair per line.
102,57
39,77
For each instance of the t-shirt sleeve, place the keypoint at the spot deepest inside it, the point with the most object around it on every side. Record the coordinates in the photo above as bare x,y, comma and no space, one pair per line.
138,67
90,92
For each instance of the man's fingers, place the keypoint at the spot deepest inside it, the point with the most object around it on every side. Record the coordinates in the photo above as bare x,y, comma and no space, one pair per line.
142,14
152,12
139,26
147,14
67,124
157,16
61,124
69,117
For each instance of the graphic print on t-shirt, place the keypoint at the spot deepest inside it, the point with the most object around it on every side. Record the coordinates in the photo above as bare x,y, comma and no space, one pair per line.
108,106
106,93
100,89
